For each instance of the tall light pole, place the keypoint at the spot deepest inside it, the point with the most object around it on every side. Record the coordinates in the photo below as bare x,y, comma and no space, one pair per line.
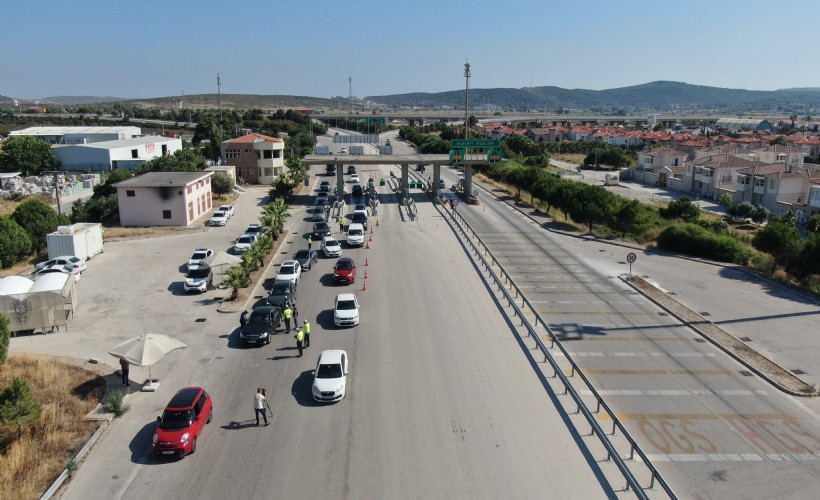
467,101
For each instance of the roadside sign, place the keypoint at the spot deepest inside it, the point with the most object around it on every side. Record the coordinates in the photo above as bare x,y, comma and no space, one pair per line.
475,143
631,257
456,154
493,155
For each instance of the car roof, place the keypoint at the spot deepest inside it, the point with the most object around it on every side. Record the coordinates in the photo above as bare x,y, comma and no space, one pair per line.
331,356
344,259
265,310
290,262
185,398
328,238
345,296
355,226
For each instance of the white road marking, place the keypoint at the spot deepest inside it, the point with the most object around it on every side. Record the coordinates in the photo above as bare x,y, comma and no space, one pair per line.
582,354
733,457
673,392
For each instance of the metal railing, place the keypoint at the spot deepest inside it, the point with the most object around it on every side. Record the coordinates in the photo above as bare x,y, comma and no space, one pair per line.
503,281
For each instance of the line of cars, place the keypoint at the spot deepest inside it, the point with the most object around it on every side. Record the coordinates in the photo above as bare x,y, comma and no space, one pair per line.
67,264
222,215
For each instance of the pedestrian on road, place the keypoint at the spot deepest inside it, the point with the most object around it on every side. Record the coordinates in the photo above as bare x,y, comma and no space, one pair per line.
259,405
243,319
300,338
287,314
295,315
341,224
309,242
124,365
306,330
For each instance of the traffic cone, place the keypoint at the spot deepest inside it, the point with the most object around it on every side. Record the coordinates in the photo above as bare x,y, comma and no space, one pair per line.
365,261
371,238
365,287
371,229
377,221
365,274
367,245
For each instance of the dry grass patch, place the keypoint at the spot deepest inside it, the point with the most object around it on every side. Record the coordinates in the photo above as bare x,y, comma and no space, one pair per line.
131,232
67,393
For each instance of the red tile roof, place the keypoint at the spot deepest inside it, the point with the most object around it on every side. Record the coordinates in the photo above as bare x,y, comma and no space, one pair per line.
251,138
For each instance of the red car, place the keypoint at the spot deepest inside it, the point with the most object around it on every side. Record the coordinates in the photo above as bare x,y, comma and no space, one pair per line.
182,422
344,272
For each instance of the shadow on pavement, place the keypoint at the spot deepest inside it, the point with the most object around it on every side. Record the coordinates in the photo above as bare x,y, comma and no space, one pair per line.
300,390
140,446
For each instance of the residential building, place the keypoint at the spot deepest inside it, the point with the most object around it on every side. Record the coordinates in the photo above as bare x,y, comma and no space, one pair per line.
108,155
164,198
259,159
711,176
779,187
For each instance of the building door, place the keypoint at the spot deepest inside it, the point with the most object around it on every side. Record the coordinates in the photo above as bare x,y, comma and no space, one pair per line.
190,210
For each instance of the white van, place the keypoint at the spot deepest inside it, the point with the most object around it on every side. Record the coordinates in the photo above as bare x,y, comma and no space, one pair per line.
355,235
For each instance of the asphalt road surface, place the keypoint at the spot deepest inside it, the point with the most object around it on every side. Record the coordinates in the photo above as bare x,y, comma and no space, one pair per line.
442,398
713,428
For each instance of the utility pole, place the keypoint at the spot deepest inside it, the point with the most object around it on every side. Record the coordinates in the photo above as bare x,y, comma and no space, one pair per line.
467,101
219,95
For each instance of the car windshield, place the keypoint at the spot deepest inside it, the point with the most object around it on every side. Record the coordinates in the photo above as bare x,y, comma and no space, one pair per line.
280,288
344,265
354,232
245,239
346,305
321,225
219,215
198,273
303,254
289,269
331,243
360,207
329,371
199,255
259,319
176,419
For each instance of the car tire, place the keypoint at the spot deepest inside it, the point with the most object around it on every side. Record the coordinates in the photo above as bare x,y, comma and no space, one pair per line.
210,417
193,446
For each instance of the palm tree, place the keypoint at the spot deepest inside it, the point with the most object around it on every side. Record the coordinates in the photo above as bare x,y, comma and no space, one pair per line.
237,278
274,215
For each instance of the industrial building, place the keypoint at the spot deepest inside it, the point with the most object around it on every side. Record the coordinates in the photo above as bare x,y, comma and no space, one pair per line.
79,135
108,155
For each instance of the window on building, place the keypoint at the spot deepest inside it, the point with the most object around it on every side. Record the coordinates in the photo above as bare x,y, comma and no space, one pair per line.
190,189
130,193
267,154
135,153
166,214
268,171
277,153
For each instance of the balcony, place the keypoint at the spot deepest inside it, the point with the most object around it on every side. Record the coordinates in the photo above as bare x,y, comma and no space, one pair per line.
759,189
705,177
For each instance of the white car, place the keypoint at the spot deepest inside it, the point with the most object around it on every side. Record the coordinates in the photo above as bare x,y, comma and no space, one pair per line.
75,262
60,268
346,310
355,235
243,243
343,151
199,255
354,178
331,247
228,209
290,270
198,278
219,218
330,377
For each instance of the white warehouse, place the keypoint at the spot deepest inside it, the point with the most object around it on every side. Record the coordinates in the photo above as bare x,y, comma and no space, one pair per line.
108,155
80,135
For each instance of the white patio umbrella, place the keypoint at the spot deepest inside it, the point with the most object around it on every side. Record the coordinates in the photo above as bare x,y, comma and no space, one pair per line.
221,259
146,350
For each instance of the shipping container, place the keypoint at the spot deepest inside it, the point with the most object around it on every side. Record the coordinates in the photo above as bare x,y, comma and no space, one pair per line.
83,240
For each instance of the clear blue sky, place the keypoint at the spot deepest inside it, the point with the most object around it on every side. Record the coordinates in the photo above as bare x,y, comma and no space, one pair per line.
151,48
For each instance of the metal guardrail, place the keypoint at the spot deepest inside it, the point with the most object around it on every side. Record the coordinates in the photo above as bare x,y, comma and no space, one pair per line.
582,407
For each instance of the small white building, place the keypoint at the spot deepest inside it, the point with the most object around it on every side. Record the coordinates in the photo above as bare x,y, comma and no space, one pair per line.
108,155
164,198
80,135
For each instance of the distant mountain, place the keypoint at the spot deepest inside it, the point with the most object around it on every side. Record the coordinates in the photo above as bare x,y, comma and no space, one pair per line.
238,101
74,100
659,96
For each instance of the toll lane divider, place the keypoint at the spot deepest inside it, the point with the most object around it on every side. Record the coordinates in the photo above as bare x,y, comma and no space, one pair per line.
503,281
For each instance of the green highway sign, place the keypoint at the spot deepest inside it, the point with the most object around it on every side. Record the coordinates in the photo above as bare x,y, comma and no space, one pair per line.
456,154
475,143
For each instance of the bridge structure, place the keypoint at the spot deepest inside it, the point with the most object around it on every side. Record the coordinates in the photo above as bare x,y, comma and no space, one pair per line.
404,162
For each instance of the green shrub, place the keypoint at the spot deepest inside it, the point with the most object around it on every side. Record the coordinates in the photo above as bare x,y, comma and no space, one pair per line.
694,240
4,339
116,404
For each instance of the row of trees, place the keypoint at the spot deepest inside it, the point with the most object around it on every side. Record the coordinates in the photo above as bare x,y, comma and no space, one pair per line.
272,219
23,233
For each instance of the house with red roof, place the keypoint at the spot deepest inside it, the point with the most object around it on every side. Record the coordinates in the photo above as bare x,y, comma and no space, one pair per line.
259,159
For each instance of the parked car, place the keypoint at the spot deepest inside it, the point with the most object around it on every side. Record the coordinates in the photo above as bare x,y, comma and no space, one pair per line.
281,291
63,260
243,243
289,270
344,272
355,235
60,268
324,186
228,209
357,190
182,422
442,184
199,255
359,218
219,218
319,214
330,170
354,178
255,229
262,324
320,230
199,278
306,258
330,376
331,247
343,151
361,207
346,310
351,169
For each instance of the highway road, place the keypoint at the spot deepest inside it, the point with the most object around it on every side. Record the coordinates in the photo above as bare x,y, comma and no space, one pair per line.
712,427
442,398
